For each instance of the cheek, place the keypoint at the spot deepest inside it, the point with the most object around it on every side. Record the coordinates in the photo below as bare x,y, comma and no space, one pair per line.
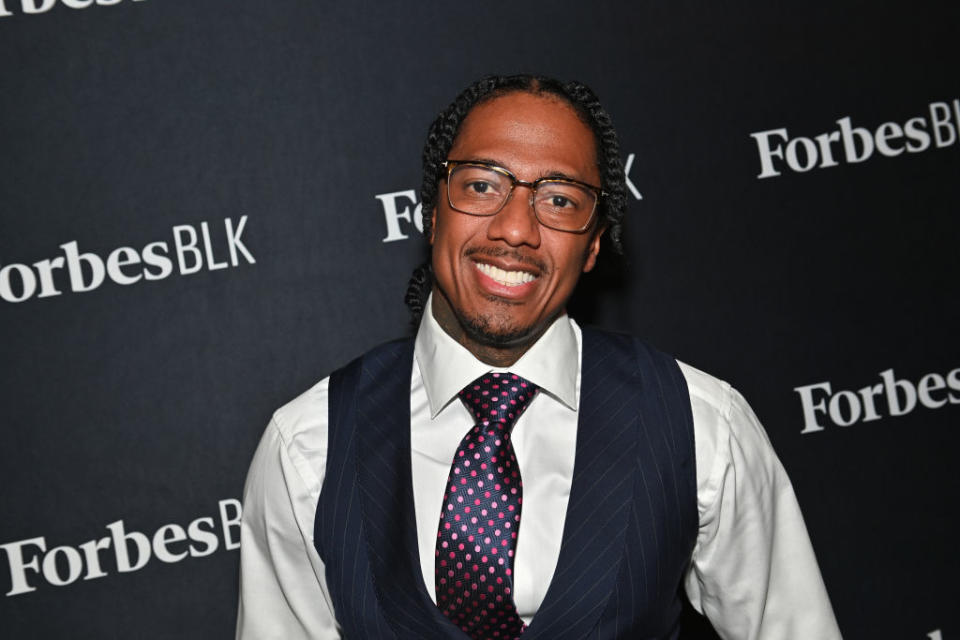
570,260
453,232
449,238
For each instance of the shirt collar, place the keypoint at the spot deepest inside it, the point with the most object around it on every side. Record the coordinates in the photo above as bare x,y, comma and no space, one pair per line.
446,366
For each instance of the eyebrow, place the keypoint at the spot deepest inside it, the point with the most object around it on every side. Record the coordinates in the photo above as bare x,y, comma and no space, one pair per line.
543,174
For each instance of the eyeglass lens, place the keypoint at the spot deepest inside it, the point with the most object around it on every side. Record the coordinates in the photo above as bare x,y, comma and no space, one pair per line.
480,190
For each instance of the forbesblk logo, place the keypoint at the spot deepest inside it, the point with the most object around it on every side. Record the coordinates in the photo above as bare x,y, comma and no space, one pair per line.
892,396
937,128
401,208
78,272
32,563
42,6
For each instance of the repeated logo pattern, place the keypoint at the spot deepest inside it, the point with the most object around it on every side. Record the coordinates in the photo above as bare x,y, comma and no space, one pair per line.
481,513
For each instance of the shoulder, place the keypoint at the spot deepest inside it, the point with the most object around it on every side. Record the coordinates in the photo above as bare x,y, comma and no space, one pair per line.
727,433
711,395
599,344
293,449
710,402
715,400
289,463
302,423
717,404
304,417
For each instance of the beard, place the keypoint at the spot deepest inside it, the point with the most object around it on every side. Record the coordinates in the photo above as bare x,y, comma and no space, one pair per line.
497,330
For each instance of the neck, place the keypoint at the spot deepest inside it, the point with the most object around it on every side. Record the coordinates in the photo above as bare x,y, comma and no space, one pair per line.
495,355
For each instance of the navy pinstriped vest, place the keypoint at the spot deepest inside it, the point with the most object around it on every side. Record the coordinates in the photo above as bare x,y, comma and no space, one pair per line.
631,520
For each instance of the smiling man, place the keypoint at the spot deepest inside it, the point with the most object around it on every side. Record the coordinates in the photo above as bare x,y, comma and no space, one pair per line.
505,270
506,473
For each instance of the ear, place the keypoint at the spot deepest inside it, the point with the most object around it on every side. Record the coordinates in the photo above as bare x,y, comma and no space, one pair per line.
433,225
593,250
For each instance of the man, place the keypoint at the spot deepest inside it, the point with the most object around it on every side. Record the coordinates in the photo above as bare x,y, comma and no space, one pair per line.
506,472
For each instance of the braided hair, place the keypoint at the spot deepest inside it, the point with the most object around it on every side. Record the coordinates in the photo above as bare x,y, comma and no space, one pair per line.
444,130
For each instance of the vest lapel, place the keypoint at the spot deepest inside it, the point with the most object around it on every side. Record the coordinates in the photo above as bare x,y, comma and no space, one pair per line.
386,490
600,497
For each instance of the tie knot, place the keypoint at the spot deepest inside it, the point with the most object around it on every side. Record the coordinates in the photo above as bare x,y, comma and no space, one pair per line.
498,397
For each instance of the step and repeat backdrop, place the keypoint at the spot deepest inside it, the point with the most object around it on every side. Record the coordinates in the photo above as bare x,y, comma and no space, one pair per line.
205,207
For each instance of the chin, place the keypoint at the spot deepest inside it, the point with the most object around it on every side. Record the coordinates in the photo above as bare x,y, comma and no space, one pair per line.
498,332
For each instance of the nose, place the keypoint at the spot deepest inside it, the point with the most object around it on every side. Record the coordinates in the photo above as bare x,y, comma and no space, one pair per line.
516,224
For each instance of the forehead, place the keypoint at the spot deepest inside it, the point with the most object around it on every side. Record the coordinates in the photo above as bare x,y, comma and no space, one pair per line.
533,135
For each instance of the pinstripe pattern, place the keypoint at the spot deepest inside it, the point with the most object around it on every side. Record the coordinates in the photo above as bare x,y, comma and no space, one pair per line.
631,520
338,511
366,509
663,516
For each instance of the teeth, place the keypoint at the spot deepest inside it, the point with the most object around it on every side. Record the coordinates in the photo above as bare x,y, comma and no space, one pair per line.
508,278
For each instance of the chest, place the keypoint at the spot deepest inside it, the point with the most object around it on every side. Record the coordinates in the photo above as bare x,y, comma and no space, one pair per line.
630,520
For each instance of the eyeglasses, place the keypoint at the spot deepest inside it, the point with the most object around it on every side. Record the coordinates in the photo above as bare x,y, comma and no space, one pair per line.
482,189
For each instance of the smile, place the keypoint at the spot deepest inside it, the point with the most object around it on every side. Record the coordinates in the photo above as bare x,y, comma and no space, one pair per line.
506,278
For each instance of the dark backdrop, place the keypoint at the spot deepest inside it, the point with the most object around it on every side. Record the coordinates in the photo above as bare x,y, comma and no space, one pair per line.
140,400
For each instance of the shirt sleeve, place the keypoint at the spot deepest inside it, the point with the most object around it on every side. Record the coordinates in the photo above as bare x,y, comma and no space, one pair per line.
754,574
283,593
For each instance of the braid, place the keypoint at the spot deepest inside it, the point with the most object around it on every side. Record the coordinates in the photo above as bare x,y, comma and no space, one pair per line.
445,128
613,181
419,286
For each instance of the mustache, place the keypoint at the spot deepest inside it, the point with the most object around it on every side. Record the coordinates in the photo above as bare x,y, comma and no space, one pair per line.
513,254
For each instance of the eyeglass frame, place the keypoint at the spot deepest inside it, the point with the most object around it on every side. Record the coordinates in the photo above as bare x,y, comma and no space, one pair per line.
450,165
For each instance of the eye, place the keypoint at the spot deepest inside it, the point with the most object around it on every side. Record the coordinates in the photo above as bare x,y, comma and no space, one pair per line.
478,186
477,183
560,198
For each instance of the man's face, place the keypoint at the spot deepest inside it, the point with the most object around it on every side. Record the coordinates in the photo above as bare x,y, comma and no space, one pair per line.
506,277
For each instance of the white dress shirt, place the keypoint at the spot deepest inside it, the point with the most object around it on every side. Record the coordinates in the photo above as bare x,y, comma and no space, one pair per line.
753,572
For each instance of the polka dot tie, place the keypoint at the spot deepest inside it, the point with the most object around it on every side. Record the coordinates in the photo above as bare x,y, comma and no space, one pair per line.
481,513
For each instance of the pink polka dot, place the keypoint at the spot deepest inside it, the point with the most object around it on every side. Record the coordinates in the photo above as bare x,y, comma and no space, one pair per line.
457,590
